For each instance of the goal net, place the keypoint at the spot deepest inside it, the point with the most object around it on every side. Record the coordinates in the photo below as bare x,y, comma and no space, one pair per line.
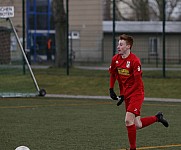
16,76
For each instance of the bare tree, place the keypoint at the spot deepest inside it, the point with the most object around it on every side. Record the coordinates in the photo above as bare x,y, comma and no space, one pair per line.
171,4
156,9
107,10
145,10
60,32
108,13
139,10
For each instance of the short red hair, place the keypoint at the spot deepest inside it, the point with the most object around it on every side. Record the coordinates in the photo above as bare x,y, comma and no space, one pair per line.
127,38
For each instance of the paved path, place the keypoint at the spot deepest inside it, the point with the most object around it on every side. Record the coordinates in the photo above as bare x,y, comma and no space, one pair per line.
106,68
108,98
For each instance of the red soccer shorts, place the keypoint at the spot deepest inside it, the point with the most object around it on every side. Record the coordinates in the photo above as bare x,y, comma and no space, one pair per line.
133,104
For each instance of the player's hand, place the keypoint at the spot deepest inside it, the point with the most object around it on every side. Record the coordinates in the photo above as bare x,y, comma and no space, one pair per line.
113,94
120,100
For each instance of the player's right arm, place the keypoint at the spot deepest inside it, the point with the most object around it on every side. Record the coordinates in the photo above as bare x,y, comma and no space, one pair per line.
111,89
112,80
113,95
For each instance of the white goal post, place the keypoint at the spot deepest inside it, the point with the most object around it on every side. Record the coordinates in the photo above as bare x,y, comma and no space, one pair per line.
6,13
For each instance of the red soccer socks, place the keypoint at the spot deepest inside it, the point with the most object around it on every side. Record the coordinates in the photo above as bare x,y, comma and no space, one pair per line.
132,130
132,136
148,121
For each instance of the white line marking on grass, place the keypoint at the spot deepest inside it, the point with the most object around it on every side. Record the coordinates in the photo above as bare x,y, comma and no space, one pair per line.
54,105
156,147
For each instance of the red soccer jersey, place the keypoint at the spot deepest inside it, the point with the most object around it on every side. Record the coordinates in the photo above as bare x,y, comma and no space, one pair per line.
128,73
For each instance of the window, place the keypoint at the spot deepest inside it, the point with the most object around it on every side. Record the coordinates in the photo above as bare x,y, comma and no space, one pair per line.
39,14
40,25
153,45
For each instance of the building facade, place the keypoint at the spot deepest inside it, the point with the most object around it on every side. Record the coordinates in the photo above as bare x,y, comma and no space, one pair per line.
90,38
148,43
85,27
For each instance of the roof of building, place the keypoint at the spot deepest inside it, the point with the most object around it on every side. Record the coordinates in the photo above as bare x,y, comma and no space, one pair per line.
142,26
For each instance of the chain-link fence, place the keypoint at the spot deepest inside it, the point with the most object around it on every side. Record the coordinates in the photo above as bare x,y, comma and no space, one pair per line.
95,25
154,25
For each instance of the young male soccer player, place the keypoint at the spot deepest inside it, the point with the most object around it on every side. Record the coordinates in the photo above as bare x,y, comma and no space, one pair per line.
126,69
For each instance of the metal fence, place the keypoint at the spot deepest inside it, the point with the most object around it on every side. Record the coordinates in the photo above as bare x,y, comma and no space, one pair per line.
95,25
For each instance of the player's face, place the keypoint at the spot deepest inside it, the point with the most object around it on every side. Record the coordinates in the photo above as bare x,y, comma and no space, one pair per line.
122,47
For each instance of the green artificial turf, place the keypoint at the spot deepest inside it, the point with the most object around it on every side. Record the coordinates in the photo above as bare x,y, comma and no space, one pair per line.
86,82
81,124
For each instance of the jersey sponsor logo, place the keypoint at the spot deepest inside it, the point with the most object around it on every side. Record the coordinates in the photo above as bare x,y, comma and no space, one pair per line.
123,71
128,64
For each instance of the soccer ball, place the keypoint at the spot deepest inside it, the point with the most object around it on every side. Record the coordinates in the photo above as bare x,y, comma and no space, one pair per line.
22,148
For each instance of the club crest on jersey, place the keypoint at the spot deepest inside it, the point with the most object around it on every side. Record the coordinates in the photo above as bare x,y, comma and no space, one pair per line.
128,64
139,68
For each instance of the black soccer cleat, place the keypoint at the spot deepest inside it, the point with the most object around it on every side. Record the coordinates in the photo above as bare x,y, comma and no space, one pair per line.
159,115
